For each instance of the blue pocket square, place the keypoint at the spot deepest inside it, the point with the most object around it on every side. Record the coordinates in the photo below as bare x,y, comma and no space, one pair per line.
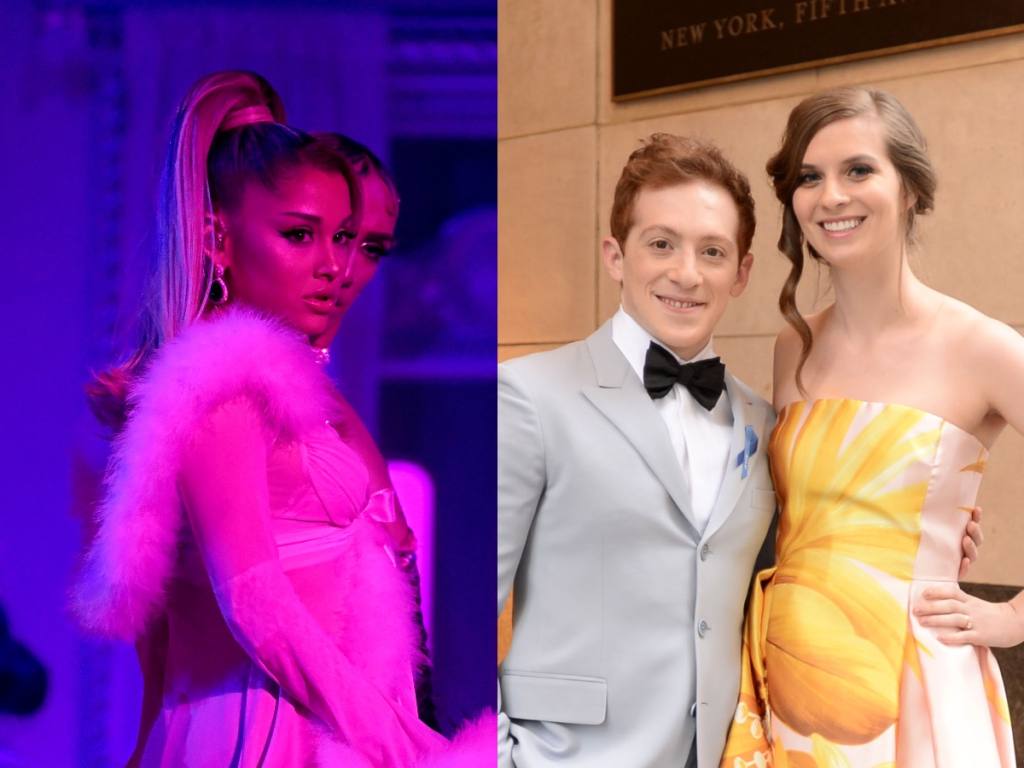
749,449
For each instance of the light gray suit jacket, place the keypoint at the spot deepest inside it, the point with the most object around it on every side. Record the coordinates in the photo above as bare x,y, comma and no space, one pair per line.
628,619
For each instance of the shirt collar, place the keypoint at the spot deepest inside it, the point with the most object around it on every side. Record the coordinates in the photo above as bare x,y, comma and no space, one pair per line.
632,340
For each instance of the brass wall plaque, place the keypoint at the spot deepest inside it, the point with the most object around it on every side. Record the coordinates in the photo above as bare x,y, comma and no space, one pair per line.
668,45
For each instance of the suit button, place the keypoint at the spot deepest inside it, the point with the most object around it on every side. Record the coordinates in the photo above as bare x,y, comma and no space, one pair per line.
703,628
693,710
704,552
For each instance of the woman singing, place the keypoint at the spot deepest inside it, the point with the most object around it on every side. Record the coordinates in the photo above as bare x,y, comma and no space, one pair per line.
248,543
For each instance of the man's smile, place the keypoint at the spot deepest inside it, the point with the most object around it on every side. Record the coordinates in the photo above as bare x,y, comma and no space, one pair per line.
679,304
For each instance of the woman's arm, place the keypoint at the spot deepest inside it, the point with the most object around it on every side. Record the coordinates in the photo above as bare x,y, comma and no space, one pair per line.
151,648
996,358
224,487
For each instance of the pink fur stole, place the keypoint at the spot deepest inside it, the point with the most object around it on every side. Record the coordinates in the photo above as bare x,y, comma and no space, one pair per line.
474,746
126,569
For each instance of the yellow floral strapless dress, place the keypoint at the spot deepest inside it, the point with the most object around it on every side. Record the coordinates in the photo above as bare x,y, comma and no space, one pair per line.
837,672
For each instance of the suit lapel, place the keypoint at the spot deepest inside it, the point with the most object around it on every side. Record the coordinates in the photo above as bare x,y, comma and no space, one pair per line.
620,396
744,414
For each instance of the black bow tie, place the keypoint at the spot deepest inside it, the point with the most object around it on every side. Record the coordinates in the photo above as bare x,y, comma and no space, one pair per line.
705,379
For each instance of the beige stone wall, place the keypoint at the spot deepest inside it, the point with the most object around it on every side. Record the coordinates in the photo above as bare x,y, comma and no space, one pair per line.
562,143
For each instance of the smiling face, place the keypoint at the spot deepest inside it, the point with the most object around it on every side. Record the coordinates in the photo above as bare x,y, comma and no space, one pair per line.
286,249
850,201
680,264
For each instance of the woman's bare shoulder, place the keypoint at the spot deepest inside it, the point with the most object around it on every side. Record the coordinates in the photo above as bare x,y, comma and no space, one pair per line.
978,336
789,346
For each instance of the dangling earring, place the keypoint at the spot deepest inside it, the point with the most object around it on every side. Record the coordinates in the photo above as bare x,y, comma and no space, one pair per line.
218,287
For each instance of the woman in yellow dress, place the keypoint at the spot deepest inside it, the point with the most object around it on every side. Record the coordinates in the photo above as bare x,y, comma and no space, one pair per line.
861,650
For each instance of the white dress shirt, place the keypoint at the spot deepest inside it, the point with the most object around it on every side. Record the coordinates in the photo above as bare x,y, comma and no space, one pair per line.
707,433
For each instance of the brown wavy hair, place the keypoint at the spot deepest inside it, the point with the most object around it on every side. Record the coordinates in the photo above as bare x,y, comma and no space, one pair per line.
665,160
907,151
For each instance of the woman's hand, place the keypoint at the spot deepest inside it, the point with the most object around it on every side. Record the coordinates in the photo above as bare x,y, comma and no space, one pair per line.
962,619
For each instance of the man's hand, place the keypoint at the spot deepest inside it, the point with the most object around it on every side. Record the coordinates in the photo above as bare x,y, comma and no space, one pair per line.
973,539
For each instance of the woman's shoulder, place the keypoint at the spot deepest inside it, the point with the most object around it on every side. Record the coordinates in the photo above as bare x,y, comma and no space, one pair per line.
789,345
985,356
221,377
789,340
973,333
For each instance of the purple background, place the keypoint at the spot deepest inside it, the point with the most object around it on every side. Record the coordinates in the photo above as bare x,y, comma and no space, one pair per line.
89,90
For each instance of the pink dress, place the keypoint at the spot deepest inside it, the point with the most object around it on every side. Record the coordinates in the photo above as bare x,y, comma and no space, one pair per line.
220,706
837,671
240,529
